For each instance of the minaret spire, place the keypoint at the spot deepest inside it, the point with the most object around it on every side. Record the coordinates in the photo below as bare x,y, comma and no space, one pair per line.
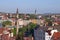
17,26
17,11
35,11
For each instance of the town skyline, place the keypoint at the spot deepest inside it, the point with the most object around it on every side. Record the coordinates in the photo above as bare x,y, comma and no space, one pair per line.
29,6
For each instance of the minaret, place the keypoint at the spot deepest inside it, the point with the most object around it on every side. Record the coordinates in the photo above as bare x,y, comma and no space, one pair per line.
17,13
35,11
17,26
17,10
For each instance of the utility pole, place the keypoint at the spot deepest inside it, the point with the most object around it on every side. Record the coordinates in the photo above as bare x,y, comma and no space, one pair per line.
17,26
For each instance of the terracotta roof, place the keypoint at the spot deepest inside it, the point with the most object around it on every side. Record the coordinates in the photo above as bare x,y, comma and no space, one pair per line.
58,22
5,37
56,36
2,29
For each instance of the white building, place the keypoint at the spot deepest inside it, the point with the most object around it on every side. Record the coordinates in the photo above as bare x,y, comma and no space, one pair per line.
52,32
20,23
26,22
47,36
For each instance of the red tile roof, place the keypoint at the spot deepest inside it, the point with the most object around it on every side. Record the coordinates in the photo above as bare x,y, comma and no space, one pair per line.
5,37
2,29
58,22
56,36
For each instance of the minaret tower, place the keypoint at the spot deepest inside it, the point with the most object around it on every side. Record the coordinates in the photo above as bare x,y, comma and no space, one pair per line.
35,11
17,13
17,26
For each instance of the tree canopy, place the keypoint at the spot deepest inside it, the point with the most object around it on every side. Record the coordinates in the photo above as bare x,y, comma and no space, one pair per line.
49,21
26,30
5,23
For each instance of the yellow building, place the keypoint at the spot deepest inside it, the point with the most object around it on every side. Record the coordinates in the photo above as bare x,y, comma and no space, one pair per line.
34,21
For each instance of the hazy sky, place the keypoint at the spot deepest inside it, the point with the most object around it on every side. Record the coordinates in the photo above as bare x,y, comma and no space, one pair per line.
28,6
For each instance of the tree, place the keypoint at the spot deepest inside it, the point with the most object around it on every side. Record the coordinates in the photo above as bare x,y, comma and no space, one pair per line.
32,16
26,30
6,23
21,33
31,26
49,21
14,31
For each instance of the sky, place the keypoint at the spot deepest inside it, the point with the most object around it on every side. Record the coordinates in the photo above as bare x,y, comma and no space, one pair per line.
28,6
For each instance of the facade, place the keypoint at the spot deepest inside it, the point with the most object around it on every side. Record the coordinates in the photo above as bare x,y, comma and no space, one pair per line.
3,16
42,22
39,34
34,21
26,22
20,23
47,36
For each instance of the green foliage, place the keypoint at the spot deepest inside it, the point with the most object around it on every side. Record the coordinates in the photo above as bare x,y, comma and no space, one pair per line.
5,23
20,16
31,26
14,31
49,21
32,16
24,29
21,32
